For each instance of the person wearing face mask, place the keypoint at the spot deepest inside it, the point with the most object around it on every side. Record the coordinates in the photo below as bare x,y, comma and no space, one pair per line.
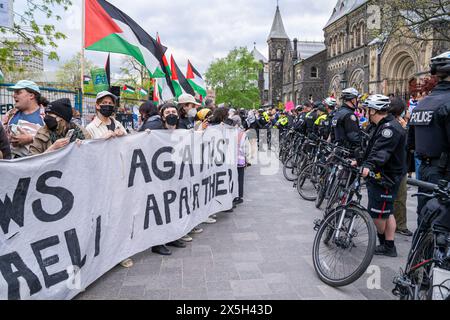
150,118
55,135
385,156
188,110
104,126
345,123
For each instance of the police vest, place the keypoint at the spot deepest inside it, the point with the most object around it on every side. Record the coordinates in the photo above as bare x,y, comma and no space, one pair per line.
430,137
337,124
266,117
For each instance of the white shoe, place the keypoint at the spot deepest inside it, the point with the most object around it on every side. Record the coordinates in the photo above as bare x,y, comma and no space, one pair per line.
196,230
210,220
186,238
214,216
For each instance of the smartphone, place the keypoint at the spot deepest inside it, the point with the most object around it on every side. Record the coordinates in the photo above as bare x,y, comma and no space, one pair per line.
70,134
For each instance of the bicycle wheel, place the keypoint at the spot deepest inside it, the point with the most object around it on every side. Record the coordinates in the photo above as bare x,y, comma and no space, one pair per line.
420,273
339,261
322,189
290,169
308,181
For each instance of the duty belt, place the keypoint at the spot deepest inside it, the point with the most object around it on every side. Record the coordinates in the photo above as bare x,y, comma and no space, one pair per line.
430,161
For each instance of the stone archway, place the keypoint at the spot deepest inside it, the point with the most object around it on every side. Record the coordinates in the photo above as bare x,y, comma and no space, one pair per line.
357,80
399,67
335,86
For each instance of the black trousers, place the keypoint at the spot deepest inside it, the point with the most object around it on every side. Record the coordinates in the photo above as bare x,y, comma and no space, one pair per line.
241,181
429,172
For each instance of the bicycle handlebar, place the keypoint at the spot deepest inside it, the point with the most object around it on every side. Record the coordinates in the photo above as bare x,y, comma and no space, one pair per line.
423,185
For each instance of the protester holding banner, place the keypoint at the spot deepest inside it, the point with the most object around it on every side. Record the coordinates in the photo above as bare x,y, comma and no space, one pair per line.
188,110
5,150
58,131
201,118
25,119
151,120
104,126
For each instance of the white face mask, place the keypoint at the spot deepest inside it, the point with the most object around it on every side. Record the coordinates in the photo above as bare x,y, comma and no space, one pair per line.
192,113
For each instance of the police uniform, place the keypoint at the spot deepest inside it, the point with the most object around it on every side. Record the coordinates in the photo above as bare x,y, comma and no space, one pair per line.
322,126
429,134
346,127
300,124
385,156
310,118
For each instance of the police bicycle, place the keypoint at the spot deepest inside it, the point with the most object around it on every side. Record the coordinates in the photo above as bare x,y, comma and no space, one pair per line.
427,271
345,241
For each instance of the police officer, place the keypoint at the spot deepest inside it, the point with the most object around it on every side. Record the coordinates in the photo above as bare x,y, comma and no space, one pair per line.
429,128
300,124
322,123
330,103
386,157
345,123
311,117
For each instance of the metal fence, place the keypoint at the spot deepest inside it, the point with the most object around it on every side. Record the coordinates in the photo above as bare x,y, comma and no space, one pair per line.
84,104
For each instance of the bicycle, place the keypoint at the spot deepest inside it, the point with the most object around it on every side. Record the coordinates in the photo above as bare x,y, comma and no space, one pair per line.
430,250
345,239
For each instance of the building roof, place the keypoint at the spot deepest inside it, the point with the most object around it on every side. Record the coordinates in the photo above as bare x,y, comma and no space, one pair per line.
344,7
307,49
258,55
278,31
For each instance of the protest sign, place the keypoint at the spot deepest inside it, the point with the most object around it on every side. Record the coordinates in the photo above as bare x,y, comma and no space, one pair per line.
67,217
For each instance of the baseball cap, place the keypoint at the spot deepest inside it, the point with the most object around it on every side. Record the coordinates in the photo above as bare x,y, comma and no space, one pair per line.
103,94
25,84
187,98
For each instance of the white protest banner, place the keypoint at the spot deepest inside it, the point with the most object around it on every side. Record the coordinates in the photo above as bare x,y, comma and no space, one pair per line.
67,217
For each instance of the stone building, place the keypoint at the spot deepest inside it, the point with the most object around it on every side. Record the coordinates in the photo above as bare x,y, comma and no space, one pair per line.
349,57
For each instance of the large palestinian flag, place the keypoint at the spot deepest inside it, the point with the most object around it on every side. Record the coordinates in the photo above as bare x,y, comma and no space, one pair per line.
195,80
179,82
108,29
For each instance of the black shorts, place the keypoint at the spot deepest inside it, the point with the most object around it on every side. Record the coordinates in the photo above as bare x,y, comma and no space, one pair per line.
381,200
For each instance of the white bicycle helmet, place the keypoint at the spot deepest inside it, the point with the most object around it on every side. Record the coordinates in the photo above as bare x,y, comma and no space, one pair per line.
331,102
349,94
377,102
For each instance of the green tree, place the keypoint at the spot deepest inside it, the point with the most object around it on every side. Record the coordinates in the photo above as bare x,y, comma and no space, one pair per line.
235,79
27,29
415,20
69,74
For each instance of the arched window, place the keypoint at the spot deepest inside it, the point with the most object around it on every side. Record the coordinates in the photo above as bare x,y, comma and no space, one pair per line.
279,54
314,72
362,31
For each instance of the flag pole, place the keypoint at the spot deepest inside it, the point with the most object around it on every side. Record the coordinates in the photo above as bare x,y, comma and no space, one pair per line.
83,29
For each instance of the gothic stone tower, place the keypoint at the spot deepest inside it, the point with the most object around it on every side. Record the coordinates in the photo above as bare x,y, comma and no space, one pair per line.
278,43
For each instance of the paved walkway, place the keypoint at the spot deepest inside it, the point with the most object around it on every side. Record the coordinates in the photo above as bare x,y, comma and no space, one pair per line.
260,251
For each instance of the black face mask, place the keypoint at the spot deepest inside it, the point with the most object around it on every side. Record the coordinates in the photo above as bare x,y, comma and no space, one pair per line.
172,119
106,110
51,122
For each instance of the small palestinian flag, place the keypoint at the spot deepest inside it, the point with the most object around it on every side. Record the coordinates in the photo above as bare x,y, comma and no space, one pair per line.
86,79
195,80
179,82
128,89
142,92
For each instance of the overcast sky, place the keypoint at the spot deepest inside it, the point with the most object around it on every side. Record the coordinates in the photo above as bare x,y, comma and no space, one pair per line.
203,30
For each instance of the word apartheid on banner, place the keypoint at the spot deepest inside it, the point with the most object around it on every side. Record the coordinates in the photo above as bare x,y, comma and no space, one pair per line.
67,217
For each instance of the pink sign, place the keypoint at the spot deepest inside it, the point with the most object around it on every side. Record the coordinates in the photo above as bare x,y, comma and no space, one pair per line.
289,106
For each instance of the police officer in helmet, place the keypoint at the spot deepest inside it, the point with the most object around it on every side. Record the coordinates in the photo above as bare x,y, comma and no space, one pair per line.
385,156
429,132
345,123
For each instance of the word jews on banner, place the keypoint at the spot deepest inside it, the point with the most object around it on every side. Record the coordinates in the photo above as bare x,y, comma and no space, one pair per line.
68,217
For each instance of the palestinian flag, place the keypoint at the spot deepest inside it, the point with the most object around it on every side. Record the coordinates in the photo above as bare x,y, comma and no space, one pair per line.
168,92
156,92
143,92
195,80
86,79
108,29
128,89
179,82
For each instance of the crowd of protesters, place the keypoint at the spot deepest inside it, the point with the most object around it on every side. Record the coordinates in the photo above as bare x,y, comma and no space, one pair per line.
37,126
